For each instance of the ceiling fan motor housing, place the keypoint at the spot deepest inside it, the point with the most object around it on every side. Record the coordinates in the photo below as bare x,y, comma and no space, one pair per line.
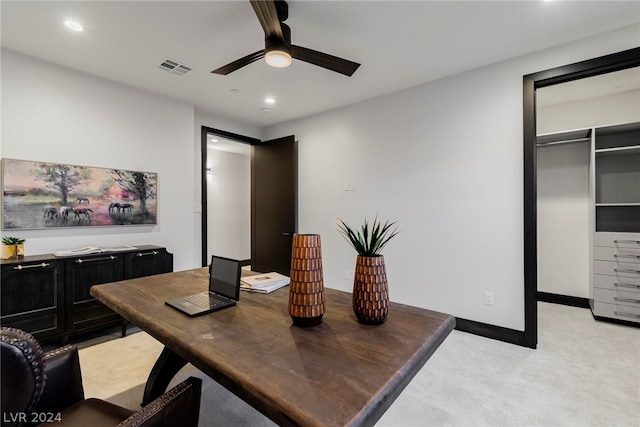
276,43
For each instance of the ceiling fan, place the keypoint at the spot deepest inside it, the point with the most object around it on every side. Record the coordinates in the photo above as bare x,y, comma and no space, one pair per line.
279,51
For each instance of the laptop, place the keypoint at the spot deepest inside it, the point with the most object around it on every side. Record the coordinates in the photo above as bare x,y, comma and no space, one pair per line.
224,289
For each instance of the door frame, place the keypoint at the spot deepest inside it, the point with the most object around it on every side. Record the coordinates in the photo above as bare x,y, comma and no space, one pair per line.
589,68
204,132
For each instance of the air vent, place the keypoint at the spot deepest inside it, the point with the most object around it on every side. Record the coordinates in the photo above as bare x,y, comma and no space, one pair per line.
174,67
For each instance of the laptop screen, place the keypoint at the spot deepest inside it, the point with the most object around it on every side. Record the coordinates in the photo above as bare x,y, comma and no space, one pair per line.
224,277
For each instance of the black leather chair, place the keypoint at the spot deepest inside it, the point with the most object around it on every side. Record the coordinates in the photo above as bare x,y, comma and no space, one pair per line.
38,387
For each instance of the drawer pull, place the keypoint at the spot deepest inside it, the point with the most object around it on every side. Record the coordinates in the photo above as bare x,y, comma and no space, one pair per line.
626,270
43,265
627,241
139,254
626,285
622,313
627,256
107,258
635,301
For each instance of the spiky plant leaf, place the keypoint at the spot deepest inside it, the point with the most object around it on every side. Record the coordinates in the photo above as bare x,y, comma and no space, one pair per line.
368,241
7,240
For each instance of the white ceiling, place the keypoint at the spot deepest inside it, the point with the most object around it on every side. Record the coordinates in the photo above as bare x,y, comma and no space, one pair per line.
399,44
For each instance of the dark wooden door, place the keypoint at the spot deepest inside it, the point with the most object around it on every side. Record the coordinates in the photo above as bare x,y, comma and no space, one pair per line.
274,204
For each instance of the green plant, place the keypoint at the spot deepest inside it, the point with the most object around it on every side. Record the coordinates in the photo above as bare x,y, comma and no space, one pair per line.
6,240
369,240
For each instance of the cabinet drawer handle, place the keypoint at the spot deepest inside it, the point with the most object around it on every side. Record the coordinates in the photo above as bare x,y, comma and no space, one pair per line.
622,313
635,301
627,256
43,265
106,258
147,253
626,270
627,241
626,285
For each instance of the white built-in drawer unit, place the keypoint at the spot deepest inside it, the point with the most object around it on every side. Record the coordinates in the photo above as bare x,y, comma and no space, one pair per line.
615,187
617,311
602,253
617,240
616,280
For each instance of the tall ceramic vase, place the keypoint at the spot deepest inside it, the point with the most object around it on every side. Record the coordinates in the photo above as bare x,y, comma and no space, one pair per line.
370,290
306,288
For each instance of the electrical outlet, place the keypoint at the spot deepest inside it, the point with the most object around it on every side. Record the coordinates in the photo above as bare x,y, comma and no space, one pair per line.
488,298
348,274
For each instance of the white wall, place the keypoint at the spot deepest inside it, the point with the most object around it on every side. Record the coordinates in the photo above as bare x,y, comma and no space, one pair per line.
564,226
55,114
229,205
614,109
444,159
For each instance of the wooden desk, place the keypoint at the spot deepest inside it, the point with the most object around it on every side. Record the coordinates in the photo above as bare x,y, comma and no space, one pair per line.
337,373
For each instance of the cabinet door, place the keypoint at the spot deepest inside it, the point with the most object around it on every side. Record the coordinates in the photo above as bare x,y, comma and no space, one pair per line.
32,298
147,263
83,311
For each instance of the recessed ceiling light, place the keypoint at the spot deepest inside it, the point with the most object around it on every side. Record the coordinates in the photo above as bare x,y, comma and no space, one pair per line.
73,25
269,100
234,90
213,140
265,110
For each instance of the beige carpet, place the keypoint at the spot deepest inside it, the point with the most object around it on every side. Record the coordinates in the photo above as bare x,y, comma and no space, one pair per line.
584,373
114,370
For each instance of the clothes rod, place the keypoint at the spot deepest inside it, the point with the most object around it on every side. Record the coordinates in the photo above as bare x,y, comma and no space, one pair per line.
566,141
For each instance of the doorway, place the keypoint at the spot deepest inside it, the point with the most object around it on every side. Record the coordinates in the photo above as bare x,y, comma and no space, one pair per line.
532,82
226,194
249,202
566,116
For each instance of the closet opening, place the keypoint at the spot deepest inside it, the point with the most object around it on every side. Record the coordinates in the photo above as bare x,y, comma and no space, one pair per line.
531,84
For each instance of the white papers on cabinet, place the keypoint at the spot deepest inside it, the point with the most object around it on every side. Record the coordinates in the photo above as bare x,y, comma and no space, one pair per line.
88,250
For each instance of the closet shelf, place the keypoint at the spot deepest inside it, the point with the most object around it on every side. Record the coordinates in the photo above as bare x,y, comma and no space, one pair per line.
581,135
631,149
616,204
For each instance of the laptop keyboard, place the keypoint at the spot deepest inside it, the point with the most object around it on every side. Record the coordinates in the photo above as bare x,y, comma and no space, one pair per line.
204,300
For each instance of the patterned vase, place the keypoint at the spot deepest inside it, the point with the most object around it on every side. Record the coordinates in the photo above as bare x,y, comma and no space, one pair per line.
306,289
370,290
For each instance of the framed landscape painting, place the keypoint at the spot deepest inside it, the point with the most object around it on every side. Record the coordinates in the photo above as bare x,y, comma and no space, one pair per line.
37,195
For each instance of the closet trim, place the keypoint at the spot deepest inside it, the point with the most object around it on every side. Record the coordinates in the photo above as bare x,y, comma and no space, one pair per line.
589,68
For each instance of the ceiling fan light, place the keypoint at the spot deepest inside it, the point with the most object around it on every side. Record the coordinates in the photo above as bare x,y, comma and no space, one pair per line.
278,58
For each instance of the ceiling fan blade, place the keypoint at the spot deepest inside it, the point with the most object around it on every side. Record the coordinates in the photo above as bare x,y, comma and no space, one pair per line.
242,62
330,62
268,16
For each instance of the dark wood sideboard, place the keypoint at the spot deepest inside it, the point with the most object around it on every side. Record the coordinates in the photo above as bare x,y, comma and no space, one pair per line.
48,296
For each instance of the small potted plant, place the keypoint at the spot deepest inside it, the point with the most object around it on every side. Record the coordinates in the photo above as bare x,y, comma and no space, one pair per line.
370,288
12,247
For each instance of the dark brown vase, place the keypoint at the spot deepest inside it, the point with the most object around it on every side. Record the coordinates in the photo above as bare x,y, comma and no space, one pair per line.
306,288
370,290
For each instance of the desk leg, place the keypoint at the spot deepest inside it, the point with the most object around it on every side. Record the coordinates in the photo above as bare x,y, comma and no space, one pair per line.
166,367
